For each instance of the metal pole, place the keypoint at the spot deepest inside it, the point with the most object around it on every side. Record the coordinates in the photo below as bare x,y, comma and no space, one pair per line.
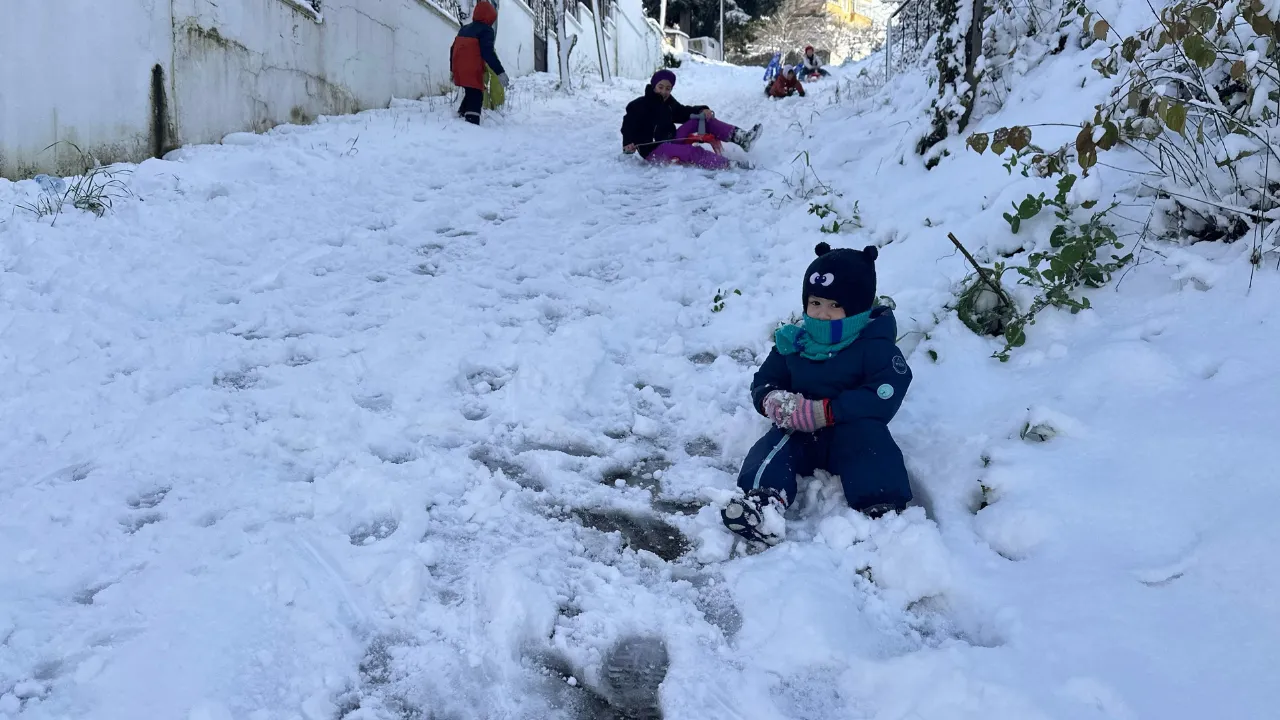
888,37
722,30
888,48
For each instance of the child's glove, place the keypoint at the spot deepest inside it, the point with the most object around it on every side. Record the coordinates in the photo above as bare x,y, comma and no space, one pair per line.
506,82
778,406
792,411
810,415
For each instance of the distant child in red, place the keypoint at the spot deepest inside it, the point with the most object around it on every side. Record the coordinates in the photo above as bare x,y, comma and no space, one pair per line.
785,85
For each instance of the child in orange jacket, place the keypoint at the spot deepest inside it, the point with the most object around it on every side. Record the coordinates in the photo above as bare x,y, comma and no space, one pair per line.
472,50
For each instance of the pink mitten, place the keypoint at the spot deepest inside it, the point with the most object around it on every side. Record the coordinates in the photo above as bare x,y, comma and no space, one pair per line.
778,406
810,415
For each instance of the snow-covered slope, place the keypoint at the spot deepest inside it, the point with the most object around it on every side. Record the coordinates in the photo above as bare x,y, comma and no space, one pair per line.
393,417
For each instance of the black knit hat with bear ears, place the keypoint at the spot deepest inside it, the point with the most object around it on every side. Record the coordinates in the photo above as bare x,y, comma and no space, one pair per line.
844,275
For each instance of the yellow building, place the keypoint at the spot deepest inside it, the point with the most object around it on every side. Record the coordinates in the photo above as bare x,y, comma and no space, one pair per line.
846,12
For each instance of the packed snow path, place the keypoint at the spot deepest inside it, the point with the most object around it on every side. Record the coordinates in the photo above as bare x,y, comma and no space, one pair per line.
393,417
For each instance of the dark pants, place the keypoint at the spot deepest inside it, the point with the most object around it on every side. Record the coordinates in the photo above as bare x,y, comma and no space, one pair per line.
862,453
472,101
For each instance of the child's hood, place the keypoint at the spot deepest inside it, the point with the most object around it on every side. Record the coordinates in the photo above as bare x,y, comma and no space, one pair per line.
484,12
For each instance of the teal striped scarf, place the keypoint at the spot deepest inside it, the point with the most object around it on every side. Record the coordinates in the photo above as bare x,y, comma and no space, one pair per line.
820,339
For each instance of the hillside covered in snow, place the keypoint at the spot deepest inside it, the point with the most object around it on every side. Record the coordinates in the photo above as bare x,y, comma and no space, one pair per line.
390,417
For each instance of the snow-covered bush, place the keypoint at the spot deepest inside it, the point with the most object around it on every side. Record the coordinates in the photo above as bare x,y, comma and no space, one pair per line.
958,73
1055,274
1199,98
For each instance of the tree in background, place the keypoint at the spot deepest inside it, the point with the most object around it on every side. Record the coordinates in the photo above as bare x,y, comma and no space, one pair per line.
704,16
797,23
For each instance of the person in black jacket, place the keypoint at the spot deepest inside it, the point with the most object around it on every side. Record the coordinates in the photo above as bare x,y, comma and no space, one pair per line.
649,127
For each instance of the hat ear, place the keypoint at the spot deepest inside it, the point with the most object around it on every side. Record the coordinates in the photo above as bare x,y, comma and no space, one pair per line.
822,249
872,252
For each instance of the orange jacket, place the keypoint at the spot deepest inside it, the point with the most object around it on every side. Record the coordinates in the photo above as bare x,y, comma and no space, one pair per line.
473,48
783,86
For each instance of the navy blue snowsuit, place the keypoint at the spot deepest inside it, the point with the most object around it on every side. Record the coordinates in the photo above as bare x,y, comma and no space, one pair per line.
865,383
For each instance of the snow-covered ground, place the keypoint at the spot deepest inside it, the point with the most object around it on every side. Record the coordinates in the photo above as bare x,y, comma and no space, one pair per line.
394,417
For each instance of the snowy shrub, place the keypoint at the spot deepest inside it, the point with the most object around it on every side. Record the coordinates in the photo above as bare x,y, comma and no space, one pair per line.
717,303
804,180
95,191
1055,273
838,222
1197,98
1017,36
958,72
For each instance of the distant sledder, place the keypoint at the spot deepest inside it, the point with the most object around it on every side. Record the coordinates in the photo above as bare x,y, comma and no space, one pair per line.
773,69
785,85
811,65
649,128
830,386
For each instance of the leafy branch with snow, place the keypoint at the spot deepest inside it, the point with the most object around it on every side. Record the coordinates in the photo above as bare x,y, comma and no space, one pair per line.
1197,98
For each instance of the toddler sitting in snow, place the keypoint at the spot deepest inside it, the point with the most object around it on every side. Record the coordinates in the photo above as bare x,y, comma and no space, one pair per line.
830,386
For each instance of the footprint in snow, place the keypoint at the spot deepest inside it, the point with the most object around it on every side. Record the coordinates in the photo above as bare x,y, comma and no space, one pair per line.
645,473
71,473
371,531
456,233
483,380
237,380
714,600
378,402
498,462
742,356
148,499
702,447
393,452
570,449
631,676
86,595
639,532
134,523
634,669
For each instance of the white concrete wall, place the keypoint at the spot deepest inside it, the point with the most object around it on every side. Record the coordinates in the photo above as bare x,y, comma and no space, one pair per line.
586,58
633,43
707,47
515,37
81,70
677,40
637,41
77,71
252,64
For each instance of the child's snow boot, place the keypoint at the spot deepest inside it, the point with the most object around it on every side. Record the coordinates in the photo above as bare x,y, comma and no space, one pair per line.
879,510
757,516
745,138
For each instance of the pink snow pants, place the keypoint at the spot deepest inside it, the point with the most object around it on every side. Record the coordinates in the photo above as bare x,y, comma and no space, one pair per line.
674,152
